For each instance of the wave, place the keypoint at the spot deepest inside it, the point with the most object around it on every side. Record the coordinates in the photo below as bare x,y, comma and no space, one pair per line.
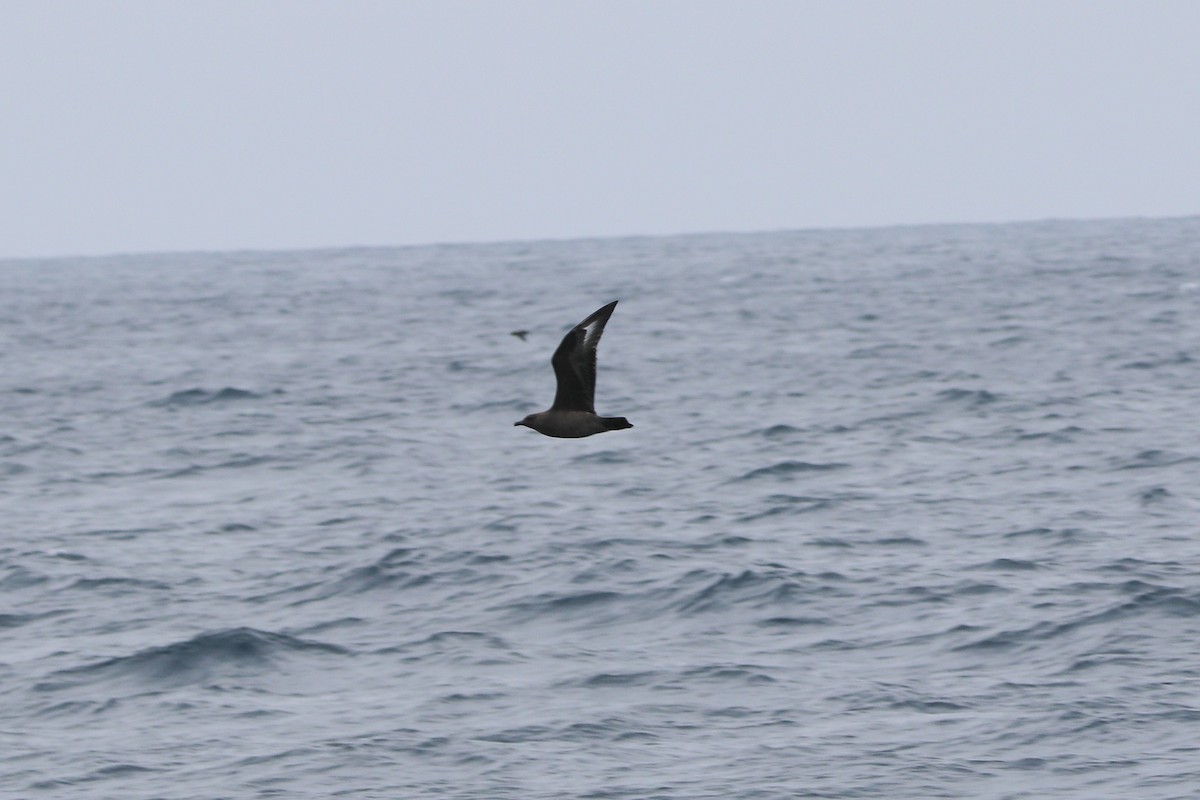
971,398
928,706
199,397
238,462
400,569
1064,435
14,620
19,577
1162,600
1154,495
468,648
1148,459
779,431
568,605
889,350
603,457
1155,363
790,505
748,587
786,469
115,586
794,622
392,570
695,594
1065,534
609,679
1007,565
209,656
739,673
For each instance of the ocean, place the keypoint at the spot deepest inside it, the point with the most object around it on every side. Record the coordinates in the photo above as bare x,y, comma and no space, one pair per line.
904,513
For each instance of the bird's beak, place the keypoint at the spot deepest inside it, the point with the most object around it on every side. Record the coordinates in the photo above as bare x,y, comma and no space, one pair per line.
518,423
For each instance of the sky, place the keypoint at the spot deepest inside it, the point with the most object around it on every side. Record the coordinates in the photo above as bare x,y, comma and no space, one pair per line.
142,125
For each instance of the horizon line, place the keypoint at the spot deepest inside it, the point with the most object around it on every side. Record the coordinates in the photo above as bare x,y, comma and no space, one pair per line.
567,239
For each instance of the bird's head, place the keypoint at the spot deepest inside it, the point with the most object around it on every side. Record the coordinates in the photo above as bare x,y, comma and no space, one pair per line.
526,422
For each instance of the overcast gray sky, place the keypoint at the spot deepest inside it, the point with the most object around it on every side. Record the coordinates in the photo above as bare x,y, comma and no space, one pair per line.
141,126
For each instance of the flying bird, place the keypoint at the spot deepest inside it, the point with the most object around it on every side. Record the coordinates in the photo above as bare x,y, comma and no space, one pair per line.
573,414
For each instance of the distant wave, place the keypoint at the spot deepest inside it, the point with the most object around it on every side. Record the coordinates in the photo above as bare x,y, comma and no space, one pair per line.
14,620
787,469
456,647
200,397
971,398
1157,600
1179,358
1148,459
604,457
779,431
202,658
698,593
791,505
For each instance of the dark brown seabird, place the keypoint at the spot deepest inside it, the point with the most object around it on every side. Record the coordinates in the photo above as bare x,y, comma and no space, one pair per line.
573,414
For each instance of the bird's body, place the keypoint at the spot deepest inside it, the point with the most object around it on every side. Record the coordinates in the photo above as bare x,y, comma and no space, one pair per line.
572,424
573,414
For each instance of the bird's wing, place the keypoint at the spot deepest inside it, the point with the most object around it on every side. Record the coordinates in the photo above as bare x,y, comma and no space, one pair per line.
574,363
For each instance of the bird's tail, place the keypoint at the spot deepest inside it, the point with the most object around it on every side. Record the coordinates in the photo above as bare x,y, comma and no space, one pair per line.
616,423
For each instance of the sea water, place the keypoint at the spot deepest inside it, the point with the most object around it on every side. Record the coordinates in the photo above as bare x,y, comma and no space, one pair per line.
906,513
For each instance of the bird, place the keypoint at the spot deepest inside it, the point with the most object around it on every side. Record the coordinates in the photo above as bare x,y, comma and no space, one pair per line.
573,414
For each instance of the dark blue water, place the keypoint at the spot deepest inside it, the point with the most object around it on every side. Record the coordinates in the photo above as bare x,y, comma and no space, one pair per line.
905,513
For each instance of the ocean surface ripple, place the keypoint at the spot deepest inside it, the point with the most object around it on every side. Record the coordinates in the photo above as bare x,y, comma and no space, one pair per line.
906,513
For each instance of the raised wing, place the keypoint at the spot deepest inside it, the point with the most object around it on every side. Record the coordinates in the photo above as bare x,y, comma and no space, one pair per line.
574,363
